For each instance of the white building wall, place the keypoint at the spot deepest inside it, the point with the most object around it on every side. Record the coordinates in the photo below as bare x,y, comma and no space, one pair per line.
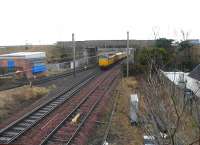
191,83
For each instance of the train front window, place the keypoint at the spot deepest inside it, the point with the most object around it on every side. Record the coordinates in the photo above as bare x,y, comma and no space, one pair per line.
103,57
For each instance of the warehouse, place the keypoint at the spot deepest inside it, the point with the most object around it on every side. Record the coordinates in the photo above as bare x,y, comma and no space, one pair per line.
29,64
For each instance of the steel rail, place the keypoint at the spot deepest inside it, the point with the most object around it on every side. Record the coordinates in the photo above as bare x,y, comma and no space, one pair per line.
44,141
18,127
46,79
56,76
85,118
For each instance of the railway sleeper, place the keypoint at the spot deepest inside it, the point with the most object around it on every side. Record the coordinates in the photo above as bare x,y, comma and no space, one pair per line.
17,128
35,117
43,111
47,108
55,103
58,101
11,133
30,120
52,106
5,139
24,124
62,99
39,114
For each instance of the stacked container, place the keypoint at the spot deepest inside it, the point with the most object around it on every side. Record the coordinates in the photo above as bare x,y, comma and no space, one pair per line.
29,63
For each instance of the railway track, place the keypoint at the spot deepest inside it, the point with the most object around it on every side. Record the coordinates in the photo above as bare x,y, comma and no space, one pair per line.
65,132
57,76
43,80
35,124
20,126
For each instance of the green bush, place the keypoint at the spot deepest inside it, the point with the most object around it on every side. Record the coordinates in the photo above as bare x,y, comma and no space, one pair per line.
134,69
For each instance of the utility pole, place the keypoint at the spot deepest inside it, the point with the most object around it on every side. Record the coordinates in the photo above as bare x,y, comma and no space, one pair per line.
127,52
134,49
74,54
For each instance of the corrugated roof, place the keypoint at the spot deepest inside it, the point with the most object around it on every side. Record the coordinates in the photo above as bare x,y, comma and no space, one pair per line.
195,73
23,55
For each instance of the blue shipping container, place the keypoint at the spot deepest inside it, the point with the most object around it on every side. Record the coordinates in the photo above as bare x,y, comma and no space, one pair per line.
38,69
11,65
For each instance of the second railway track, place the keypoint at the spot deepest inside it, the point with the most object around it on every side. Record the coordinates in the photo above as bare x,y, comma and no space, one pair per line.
44,123
18,127
43,80
65,132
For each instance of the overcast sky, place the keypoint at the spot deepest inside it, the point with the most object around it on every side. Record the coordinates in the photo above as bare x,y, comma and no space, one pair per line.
48,21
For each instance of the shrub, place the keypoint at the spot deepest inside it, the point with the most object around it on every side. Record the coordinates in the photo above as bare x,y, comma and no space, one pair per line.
134,69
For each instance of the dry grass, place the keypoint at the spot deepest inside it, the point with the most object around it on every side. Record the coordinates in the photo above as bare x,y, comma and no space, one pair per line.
52,87
130,83
122,131
11,100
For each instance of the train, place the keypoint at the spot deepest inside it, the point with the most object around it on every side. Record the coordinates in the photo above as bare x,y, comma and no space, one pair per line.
106,60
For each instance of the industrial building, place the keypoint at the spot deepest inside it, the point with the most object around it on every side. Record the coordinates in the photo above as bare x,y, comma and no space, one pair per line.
29,64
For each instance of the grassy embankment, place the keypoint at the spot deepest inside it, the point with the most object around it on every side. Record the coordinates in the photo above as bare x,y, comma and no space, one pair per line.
15,99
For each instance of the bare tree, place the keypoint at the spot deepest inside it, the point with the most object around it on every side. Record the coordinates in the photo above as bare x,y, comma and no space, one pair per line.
156,32
195,111
184,34
166,114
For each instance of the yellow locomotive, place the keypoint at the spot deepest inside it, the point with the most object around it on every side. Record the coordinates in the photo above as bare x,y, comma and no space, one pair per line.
108,59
